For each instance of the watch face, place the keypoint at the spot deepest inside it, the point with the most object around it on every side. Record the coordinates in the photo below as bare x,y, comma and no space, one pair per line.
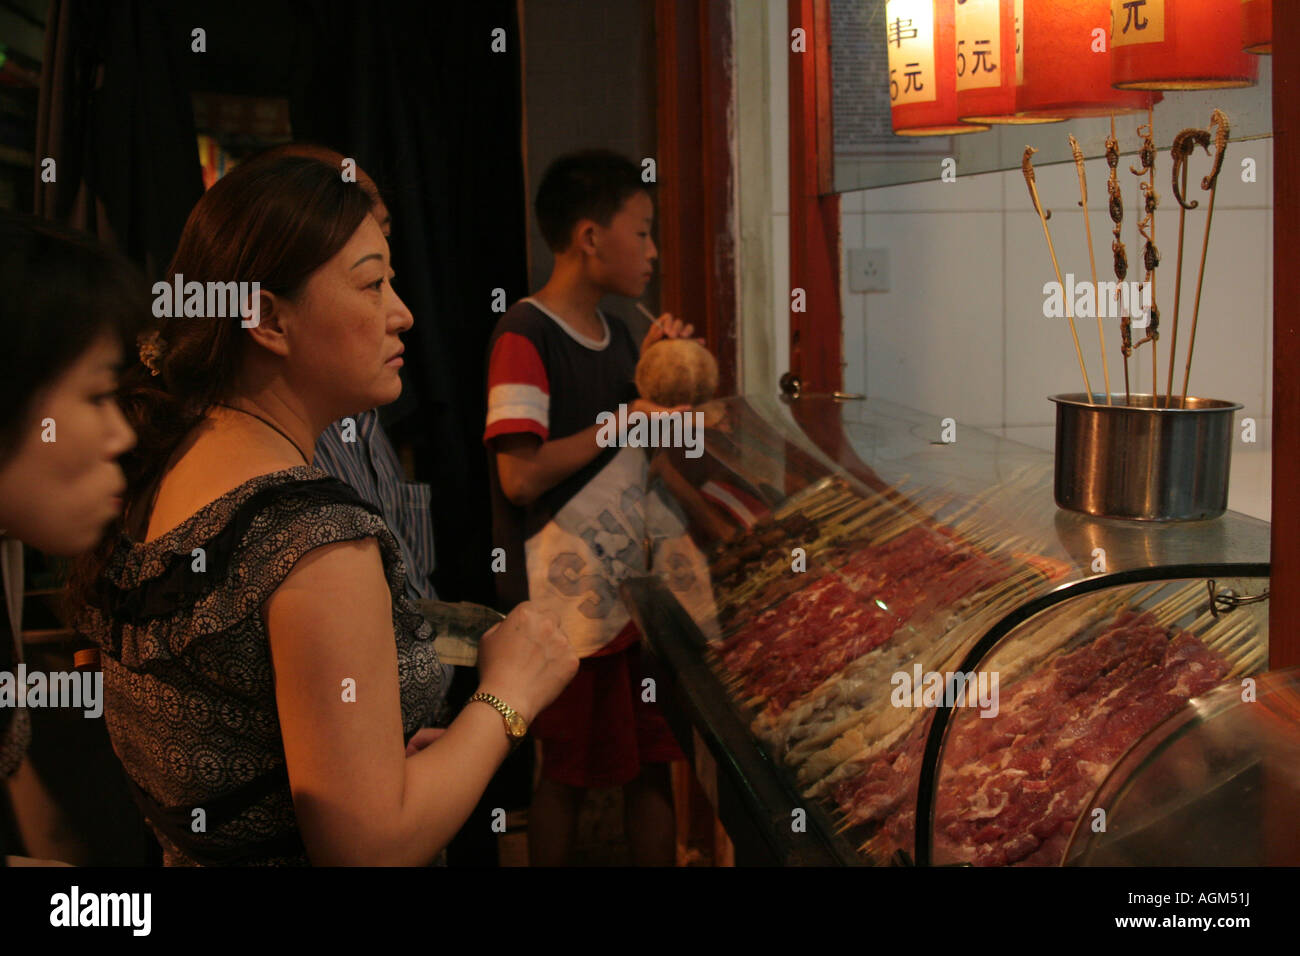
516,725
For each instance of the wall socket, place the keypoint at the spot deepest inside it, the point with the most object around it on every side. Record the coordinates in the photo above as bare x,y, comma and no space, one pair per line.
868,270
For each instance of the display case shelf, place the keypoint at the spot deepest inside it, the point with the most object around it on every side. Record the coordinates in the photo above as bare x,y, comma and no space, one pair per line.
820,551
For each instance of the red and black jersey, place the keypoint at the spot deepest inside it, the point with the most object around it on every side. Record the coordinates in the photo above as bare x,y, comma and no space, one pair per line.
546,379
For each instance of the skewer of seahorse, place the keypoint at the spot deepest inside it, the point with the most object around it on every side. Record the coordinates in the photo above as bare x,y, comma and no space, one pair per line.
1219,120
1092,259
1181,151
1027,167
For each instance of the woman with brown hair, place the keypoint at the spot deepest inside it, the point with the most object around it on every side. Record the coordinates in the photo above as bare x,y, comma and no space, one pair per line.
264,668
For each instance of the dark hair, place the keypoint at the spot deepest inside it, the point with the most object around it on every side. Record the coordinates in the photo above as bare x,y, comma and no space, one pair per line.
592,184
274,222
61,291
316,151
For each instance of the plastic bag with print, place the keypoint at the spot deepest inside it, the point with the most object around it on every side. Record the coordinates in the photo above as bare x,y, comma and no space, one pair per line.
577,560
678,562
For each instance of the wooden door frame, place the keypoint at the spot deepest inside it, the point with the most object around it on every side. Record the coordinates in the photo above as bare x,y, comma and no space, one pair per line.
1284,586
697,204
816,333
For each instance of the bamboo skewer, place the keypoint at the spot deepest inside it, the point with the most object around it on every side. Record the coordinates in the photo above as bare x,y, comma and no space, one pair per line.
1219,120
1026,165
1181,151
1092,260
1150,255
1116,208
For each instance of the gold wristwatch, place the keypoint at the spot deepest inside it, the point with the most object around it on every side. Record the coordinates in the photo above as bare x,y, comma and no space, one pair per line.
516,726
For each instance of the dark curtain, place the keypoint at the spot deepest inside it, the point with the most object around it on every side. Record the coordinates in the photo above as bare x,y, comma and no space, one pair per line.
413,91
418,96
115,117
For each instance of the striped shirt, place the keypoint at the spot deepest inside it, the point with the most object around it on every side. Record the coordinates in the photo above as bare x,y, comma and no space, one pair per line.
369,464
570,548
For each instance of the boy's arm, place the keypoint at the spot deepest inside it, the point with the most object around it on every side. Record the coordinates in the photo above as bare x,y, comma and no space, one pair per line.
529,467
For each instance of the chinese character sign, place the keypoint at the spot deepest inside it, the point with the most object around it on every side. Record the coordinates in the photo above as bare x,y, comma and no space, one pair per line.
1136,21
1020,42
979,45
911,35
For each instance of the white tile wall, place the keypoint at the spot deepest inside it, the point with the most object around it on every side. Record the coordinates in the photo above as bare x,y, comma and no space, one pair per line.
961,331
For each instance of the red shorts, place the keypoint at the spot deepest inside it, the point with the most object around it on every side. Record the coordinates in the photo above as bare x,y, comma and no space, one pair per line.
599,732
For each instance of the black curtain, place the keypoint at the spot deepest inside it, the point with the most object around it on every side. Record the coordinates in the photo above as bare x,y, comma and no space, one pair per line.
115,117
419,97
413,91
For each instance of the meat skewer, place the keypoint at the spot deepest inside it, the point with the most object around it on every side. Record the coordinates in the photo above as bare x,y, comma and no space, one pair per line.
1184,144
1116,208
1026,165
1092,259
1219,120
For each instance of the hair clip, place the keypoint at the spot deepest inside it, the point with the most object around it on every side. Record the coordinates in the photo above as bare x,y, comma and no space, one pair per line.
151,350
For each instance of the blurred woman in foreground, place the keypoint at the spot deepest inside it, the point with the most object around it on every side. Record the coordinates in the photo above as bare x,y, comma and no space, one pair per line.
70,313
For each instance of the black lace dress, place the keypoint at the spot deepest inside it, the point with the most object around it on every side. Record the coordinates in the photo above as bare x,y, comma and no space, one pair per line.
188,684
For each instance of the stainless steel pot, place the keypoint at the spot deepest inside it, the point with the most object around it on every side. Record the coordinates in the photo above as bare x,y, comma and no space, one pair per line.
1142,460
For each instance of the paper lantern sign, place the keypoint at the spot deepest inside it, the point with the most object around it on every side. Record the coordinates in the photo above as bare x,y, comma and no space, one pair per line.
1179,45
1257,26
922,48
990,61
675,372
1067,62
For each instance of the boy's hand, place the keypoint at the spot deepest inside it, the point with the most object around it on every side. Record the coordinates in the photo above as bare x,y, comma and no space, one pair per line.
667,328
649,407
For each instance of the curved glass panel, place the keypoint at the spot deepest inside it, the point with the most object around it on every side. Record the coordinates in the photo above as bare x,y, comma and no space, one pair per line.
1217,784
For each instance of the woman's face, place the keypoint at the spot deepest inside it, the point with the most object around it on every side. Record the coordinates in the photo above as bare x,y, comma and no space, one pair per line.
63,486
344,338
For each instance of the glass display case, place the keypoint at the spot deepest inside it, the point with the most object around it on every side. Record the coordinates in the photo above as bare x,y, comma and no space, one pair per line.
881,641
1217,784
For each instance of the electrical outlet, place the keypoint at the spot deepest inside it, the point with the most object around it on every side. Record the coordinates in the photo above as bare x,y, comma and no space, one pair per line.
868,270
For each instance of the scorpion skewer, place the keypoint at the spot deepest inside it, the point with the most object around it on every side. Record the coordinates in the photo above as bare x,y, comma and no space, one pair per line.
1092,259
1115,205
1147,230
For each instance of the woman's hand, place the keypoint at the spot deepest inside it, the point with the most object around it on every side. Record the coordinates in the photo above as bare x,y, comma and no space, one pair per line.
526,661
666,328
359,796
